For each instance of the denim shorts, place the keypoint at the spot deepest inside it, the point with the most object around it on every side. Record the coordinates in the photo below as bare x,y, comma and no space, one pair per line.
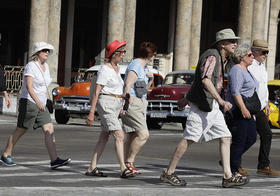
30,117
109,109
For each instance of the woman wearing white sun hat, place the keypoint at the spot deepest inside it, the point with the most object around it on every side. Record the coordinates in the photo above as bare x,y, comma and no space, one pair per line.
32,105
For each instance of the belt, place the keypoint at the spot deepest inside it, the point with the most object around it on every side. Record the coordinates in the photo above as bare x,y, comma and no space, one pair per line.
112,95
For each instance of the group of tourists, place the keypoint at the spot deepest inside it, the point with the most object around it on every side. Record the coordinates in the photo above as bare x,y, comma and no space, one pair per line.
121,105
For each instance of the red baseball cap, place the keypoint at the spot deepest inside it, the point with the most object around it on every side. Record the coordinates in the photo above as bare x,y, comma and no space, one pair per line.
112,47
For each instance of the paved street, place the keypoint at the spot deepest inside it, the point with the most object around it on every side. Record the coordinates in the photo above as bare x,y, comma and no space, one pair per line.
199,167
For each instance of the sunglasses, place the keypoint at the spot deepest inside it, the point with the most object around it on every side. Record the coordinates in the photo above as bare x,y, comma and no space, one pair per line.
265,52
233,41
249,55
121,51
45,50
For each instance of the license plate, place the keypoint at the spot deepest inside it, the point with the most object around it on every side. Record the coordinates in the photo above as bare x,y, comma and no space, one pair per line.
158,115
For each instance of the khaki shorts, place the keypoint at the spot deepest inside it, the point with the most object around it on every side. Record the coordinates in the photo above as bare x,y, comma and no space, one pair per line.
30,117
135,117
109,109
205,125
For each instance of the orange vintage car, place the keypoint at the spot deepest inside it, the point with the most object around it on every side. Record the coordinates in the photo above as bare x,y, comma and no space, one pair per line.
74,101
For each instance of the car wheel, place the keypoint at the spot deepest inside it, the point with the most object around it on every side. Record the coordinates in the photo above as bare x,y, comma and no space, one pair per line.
61,116
153,123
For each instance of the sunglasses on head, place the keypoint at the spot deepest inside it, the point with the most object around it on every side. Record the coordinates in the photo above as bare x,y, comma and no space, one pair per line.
45,50
265,52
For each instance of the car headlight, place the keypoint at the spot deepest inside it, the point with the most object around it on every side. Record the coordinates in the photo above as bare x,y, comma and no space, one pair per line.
55,92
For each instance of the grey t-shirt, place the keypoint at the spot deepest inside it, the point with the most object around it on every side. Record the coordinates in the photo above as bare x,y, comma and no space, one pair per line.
241,82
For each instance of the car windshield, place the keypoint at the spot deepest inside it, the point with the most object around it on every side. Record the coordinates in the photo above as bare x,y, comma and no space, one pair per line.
179,79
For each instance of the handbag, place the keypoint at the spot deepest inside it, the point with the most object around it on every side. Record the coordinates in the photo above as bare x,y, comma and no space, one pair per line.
140,88
252,103
49,105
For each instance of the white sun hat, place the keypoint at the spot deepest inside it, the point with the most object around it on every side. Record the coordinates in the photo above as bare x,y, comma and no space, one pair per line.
38,46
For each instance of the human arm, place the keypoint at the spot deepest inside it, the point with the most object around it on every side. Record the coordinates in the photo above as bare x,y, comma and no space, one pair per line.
90,118
30,89
208,85
267,110
7,99
150,75
130,80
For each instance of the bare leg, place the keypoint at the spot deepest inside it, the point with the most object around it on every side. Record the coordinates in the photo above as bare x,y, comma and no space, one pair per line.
179,152
119,137
137,143
225,156
13,140
103,139
129,138
50,140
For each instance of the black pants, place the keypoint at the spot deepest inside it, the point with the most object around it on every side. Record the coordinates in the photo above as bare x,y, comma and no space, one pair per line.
265,133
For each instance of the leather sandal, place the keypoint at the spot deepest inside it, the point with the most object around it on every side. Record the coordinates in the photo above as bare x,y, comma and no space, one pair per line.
127,173
95,172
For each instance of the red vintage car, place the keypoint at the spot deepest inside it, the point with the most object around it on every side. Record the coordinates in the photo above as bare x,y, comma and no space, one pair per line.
162,101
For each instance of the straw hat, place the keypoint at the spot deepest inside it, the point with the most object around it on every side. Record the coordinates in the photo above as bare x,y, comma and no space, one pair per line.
38,46
112,47
260,44
225,34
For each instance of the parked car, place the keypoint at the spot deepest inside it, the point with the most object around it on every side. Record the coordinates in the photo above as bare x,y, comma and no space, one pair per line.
74,101
274,102
162,100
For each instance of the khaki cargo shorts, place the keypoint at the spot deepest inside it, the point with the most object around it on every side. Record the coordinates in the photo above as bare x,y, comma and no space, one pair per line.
135,117
109,109
30,117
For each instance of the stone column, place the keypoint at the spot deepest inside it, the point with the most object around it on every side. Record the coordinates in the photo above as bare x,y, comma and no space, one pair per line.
183,35
195,32
129,28
53,38
258,19
272,37
69,42
116,18
39,20
245,20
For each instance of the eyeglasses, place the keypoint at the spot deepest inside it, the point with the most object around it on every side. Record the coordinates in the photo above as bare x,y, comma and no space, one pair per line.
265,52
45,50
121,51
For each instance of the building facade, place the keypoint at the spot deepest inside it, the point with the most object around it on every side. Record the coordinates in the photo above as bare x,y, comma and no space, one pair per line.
181,29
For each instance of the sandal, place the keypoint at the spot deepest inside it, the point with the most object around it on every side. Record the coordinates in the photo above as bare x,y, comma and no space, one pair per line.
235,180
95,172
127,173
172,179
131,167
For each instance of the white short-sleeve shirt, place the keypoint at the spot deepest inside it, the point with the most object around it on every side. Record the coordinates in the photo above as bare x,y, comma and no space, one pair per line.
41,80
111,80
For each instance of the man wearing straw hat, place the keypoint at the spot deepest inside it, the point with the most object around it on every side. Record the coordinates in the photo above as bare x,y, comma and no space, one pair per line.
257,69
205,120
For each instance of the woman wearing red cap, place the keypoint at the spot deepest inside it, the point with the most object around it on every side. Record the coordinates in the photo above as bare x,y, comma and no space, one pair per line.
108,100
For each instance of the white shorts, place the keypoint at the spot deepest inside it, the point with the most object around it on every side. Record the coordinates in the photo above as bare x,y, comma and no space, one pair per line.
205,125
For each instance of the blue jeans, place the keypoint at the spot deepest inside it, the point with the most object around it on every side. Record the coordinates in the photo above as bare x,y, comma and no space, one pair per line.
244,135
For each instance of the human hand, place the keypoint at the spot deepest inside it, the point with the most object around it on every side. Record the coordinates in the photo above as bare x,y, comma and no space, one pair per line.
267,110
245,113
182,103
90,119
40,105
150,75
226,105
7,100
